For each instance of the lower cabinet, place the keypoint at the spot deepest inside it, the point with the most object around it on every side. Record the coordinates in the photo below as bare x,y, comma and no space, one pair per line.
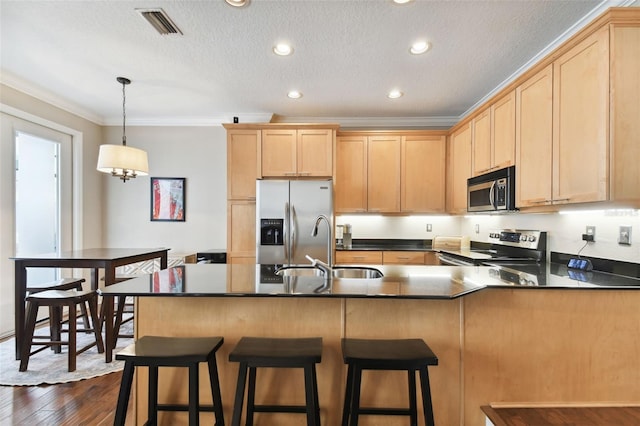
390,257
241,232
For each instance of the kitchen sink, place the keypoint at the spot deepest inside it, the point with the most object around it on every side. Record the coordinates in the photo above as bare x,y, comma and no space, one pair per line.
339,272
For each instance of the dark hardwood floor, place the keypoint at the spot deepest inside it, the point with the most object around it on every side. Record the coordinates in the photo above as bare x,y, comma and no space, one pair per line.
87,402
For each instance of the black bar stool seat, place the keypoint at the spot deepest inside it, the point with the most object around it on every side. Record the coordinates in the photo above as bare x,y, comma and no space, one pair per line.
256,352
378,354
156,351
56,300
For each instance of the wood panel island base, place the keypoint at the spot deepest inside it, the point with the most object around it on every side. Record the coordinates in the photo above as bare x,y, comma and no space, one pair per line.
495,342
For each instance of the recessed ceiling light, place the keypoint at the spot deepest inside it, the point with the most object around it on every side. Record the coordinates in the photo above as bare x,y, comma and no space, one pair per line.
283,49
402,1
419,47
237,3
294,94
395,94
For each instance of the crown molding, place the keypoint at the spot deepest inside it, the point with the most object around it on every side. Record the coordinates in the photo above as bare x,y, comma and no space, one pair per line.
583,22
377,122
18,83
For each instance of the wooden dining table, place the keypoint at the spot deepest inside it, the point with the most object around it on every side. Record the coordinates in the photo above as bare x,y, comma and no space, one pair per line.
95,259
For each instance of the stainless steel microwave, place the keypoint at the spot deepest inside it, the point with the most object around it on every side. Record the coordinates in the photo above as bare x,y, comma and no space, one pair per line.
493,191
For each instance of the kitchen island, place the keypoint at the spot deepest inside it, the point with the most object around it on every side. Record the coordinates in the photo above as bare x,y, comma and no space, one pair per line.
496,341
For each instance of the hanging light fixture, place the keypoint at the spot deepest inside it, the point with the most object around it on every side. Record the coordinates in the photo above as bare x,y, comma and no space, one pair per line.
123,161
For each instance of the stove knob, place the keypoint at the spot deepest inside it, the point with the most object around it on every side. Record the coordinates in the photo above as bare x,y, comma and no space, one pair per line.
523,238
532,238
523,281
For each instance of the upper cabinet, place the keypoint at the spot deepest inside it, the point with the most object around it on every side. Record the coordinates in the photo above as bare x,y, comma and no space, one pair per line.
578,123
242,164
350,180
390,172
297,152
422,174
534,139
494,136
458,169
383,174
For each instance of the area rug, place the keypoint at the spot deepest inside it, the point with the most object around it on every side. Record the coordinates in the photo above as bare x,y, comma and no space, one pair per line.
47,367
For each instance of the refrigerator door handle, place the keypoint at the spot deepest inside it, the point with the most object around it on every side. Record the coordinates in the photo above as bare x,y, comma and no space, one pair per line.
287,224
294,229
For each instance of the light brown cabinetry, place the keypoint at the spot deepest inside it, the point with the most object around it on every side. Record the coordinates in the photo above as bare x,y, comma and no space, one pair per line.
494,136
297,152
422,174
459,169
242,172
403,258
383,174
577,120
580,122
390,172
365,257
534,139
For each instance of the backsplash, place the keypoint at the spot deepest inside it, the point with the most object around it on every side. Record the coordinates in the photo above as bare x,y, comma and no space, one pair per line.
564,231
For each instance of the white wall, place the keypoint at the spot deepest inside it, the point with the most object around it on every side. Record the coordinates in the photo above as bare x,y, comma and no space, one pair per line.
564,231
195,153
400,227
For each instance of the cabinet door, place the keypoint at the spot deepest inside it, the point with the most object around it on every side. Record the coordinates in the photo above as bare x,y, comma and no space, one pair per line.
534,125
350,183
403,258
423,174
242,164
350,257
482,143
503,132
315,152
459,169
241,229
278,152
383,174
581,117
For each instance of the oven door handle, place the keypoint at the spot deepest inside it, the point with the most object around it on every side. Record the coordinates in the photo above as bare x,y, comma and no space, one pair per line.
451,261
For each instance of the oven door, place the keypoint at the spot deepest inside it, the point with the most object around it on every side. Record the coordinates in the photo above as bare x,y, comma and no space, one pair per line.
449,260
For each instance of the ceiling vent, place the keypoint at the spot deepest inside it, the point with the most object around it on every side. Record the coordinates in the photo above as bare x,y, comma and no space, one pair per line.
160,21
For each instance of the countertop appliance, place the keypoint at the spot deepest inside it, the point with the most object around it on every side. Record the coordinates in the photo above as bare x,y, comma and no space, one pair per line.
521,255
493,191
286,212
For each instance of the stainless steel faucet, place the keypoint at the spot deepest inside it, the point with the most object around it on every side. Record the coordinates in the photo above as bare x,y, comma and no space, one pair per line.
314,232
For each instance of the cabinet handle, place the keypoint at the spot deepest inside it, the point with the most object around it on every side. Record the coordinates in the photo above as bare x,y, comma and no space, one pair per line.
403,258
304,173
540,201
561,199
289,173
251,198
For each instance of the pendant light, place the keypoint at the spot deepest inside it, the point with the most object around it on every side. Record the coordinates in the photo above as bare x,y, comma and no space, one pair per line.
122,161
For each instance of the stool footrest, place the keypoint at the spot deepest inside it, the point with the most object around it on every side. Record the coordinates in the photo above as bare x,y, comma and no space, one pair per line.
279,409
179,407
385,411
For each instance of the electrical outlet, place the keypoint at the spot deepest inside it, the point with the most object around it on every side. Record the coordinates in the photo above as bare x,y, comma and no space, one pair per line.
591,231
477,228
429,227
624,236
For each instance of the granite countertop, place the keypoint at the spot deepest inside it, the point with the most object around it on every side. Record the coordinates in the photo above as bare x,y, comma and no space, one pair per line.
399,281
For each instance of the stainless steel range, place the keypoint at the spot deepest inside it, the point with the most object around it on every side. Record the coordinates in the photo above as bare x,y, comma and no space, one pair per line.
520,254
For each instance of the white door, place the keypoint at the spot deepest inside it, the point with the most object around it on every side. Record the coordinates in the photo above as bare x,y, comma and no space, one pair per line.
36,170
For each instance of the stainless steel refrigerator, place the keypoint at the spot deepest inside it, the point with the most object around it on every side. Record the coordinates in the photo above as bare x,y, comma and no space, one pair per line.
286,212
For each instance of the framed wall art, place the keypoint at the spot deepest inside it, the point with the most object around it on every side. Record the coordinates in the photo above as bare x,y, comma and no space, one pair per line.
168,199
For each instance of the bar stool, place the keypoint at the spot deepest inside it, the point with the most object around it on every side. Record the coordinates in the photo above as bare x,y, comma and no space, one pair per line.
61,284
397,354
255,352
56,300
156,351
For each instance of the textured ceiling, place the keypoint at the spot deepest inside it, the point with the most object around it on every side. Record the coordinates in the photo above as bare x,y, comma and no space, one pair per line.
347,55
